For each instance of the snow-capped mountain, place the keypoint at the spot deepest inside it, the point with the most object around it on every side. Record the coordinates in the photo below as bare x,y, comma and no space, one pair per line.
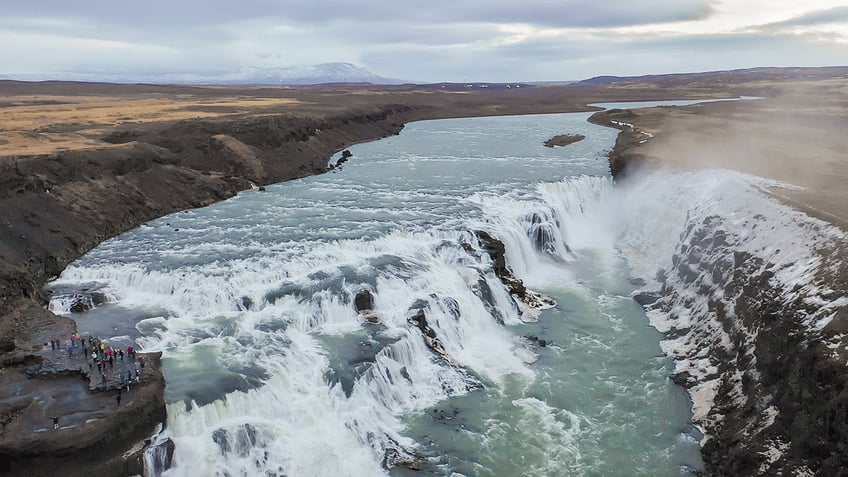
306,74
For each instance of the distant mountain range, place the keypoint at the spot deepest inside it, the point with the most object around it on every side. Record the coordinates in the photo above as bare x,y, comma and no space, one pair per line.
307,74
738,75
251,75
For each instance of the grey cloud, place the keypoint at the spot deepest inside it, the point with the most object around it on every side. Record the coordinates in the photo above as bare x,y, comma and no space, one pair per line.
818,17
611,53
248,31
163,15
559,13
425,34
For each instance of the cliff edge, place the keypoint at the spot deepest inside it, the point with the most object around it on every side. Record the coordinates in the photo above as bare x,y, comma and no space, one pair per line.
56,207
753,306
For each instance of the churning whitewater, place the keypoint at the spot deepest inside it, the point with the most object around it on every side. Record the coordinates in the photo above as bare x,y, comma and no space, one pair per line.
272,371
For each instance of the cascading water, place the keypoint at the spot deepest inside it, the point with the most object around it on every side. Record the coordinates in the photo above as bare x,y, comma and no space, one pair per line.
271,370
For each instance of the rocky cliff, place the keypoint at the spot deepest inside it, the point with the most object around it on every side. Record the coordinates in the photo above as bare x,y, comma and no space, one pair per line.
55,208
753,305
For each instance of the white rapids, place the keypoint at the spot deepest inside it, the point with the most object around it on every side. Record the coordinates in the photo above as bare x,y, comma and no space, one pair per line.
271,371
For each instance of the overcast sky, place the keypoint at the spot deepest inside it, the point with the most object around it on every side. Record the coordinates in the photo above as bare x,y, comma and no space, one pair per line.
433,40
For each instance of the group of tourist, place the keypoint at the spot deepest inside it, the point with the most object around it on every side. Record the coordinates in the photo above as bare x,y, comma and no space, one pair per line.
99,354
117,367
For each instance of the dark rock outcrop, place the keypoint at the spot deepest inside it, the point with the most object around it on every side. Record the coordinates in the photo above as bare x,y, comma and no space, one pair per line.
397,455
100,439
346,154
364,300
86,301
419,319
530,302
364,304
563,140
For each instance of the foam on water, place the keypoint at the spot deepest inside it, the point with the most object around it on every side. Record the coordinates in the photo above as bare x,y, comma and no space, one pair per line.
261,306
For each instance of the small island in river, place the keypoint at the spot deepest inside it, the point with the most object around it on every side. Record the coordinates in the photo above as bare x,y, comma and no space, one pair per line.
563,140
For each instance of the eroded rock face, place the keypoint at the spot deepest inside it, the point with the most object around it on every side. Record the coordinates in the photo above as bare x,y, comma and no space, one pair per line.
763,360
419,319
530,302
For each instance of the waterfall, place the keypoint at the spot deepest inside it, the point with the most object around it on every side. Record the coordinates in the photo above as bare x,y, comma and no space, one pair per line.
158,454
271,370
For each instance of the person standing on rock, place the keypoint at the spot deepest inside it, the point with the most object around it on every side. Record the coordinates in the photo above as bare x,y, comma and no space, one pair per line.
121,354
73,340
55,422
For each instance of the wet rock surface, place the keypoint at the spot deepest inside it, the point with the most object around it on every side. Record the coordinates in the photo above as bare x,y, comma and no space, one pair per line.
363,301
95,432
418,318
530,302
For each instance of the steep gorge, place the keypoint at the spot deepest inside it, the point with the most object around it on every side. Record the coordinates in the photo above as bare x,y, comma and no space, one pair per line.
753,306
